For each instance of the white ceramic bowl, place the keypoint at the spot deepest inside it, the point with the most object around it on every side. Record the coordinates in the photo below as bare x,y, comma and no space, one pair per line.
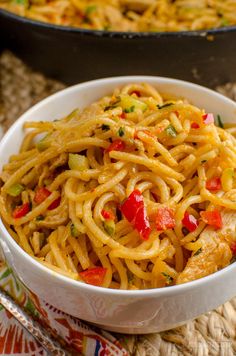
141,311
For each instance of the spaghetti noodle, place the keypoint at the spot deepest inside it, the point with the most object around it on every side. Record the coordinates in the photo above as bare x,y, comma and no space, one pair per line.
128,15
136,191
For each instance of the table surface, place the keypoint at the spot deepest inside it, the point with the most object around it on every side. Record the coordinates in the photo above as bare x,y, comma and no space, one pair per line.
213,333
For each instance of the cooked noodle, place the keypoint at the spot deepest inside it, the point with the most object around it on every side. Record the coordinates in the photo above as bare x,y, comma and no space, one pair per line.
91,162
129,15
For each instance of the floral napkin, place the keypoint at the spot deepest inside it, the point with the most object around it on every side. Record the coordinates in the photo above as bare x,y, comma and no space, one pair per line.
15,340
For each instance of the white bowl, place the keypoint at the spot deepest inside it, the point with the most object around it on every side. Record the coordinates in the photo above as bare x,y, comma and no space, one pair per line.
141,311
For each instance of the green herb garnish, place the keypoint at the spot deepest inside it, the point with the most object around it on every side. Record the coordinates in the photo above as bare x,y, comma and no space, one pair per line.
22,2
170,130
74,232
109,227
129,110
198,252
90,9
39,218
121,131
169,279
110,107
224,22
164,105
105,127
220,122
107,28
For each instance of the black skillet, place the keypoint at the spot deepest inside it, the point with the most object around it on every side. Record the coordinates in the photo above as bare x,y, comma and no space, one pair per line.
74,55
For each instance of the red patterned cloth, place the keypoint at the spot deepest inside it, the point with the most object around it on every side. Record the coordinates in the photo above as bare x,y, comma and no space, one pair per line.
15,340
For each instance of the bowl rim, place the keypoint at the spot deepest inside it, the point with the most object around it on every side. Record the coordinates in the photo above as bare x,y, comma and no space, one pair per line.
175,289
118,34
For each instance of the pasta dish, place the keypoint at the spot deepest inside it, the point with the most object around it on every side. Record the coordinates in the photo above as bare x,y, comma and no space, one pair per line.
128,15
136,191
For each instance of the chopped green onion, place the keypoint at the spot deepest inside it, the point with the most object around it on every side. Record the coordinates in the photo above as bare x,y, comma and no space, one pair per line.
121,131
170,130
169,279
164,105
22,2
74,232
220,122
129,110
105,127
44,143
198,252
109,227
47,181
37,241
106,27
130,104
41,239
78,162
39,218
110,107
90,9
15,190
224,22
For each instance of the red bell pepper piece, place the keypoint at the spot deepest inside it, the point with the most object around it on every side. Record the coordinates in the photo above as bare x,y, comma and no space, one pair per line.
136,92
117,145
208,119
134,210
131,205
212,218
233,248
55,204
213,184
123,115
190,222
165,219
195,125
94,276
141,223
21,211
108,215
41,194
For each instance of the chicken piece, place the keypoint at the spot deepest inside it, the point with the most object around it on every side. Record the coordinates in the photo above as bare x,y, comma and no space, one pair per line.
215,251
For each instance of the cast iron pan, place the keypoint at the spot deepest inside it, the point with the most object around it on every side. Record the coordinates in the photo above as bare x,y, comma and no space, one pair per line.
74,55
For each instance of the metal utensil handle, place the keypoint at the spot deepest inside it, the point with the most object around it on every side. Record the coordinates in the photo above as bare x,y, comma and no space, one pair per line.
40,334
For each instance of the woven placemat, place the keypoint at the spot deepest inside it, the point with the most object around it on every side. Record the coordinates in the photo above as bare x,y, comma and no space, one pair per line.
211,334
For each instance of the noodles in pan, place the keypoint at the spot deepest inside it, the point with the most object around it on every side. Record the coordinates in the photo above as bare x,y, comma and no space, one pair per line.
128,15
136,191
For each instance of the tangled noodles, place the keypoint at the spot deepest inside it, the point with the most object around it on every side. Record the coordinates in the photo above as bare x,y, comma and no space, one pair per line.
128,15
136,191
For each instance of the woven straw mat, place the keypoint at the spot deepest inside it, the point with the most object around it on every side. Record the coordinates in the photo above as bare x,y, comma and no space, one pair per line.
213,333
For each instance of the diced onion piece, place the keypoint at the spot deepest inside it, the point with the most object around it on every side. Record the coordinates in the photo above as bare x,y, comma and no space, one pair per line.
78,162
15,190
